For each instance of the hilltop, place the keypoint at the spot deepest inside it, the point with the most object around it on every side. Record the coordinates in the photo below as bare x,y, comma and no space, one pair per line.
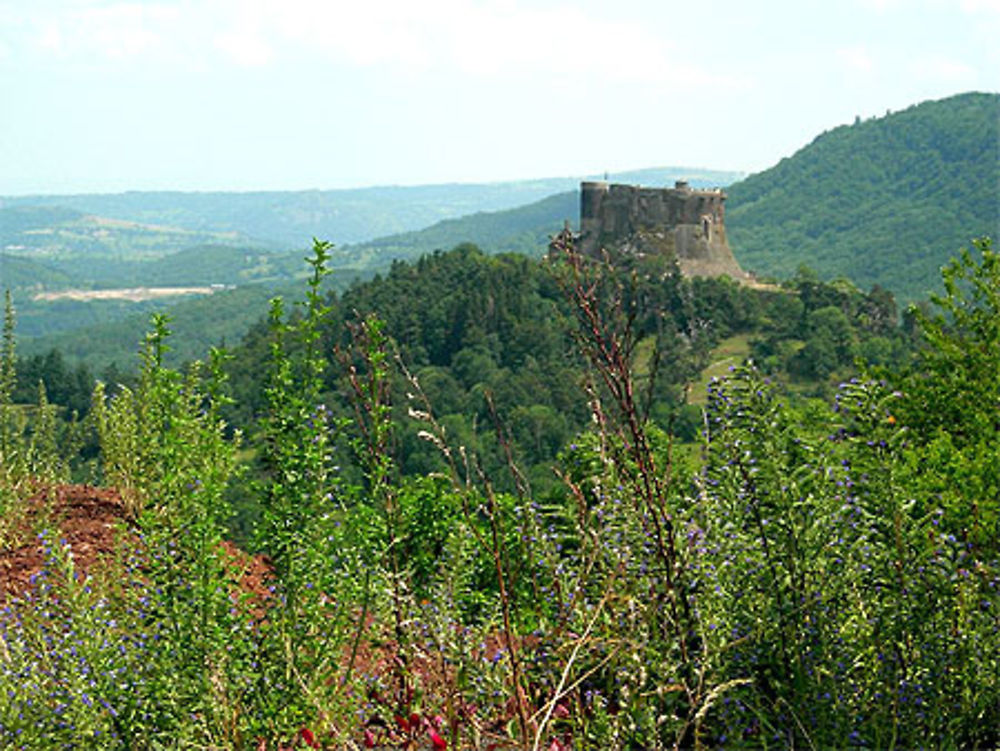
884,201
247,240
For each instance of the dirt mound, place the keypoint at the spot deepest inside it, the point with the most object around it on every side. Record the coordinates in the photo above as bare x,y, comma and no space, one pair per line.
81,516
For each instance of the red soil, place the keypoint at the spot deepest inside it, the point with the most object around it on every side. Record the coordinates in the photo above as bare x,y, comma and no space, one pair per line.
84,517
87,520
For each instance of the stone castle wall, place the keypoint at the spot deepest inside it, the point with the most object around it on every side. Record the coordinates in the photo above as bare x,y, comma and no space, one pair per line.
686,224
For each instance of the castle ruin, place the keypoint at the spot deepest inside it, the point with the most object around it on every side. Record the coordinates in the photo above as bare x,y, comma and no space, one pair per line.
680,222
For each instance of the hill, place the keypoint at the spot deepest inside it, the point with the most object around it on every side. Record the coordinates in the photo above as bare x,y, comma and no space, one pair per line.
61,234
524,230
99,332
23,273
112,331
884,201
81,254
205,265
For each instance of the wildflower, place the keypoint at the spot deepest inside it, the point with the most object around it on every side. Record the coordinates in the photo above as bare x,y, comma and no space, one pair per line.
437,741
369,739
309,738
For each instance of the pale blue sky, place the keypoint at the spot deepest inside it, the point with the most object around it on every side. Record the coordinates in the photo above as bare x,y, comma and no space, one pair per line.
100,95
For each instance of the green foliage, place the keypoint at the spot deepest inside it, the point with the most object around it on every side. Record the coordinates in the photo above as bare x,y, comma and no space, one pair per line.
113,331
35,447
312,555
66,386
837,591
9,428
952,397
471,326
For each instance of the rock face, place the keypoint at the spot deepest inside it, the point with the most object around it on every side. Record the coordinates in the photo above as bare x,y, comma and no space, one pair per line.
688,225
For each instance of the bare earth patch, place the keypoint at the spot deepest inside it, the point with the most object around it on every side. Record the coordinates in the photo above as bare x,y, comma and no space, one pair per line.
84,517
85,520
132,294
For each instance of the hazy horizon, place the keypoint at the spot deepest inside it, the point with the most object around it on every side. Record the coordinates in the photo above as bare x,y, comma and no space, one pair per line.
390,186
105,96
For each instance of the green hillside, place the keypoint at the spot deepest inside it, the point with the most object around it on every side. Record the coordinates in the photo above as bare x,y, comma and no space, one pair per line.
525,230
882,201
58,233
113,331
197,265
105,330
23,273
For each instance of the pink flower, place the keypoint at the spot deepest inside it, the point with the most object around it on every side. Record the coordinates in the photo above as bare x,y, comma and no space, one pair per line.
369,739
437,741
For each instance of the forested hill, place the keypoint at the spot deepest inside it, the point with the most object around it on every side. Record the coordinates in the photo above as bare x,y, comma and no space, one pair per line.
882,201
467,323
525,229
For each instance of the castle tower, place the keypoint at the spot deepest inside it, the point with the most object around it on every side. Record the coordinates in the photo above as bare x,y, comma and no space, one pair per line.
592,195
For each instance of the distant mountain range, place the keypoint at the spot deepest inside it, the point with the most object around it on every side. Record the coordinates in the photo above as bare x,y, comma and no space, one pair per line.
288,219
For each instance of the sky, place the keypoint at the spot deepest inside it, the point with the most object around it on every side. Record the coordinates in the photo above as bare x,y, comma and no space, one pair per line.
108,96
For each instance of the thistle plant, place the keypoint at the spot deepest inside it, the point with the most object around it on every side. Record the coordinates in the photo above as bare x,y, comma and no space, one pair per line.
166,446
46,459
606,313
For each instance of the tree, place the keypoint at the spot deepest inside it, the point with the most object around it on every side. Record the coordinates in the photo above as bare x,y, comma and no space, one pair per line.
951,398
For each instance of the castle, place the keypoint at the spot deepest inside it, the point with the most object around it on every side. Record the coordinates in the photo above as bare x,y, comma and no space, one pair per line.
680,222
